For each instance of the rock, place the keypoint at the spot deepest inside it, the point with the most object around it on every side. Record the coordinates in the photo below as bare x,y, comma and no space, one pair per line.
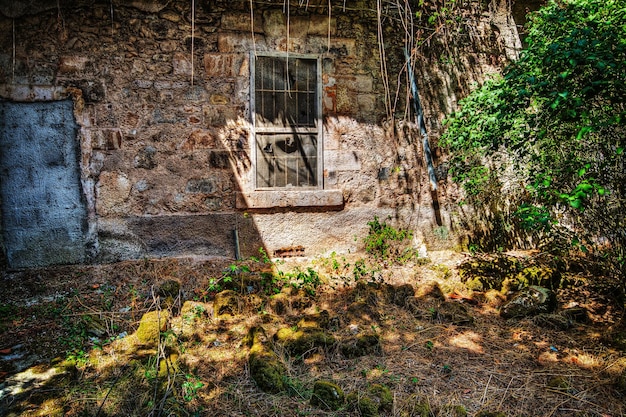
300,341
226,303
266,368
319,320
430,290
377,398
327,395
150,327
169,288
529,302
455,313
361,345
399,295
553,321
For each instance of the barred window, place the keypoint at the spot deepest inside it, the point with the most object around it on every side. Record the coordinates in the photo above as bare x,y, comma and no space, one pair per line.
286,115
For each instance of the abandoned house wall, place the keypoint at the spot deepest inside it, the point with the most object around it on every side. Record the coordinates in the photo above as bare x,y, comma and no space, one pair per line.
168,157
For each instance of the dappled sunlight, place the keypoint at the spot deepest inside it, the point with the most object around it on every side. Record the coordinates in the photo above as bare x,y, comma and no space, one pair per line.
468,340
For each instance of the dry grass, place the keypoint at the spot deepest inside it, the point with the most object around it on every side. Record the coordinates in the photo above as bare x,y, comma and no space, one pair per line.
515,367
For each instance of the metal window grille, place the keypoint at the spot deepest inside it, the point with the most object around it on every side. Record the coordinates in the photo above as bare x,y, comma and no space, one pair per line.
286,110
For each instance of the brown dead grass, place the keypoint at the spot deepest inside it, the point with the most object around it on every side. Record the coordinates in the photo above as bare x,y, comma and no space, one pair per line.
491,365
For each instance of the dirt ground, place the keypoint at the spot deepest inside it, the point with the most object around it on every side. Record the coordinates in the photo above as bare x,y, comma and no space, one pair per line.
65,342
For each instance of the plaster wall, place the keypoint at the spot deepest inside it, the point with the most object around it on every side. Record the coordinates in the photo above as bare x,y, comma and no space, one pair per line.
164,133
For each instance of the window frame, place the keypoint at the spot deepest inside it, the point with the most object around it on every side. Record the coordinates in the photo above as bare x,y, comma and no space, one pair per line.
317,129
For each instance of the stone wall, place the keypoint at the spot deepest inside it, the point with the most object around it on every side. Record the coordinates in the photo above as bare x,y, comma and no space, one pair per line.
166,157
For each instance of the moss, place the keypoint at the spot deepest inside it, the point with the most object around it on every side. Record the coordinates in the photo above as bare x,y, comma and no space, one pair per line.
559,382
266,369
279,303
541,275
226,303
366,406
317,320
168,365
169,288
299,341
361,345
490,414
150,327
421,410
382,396
327,395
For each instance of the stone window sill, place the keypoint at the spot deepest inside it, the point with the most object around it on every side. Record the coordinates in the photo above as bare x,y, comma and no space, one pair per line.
268,199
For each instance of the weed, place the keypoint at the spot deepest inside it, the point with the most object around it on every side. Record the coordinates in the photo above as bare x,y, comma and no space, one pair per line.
190,387
385,242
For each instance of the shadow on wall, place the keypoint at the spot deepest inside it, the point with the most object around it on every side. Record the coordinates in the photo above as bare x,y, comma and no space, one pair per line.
49,219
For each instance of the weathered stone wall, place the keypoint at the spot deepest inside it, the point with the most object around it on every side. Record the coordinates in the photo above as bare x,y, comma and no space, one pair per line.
164,124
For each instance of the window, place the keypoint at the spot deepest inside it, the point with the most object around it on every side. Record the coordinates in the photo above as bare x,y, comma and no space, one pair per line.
286,115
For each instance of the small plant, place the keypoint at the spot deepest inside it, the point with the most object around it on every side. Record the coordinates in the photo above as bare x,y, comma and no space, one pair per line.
190,387
385,242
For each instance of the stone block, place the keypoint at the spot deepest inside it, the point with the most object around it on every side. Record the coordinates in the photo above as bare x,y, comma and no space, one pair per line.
201,186
222,65
72,64
181,64
366,103
240,22
228,42
290,198
318,25
198,139
274,23
112,193
106,139
346,101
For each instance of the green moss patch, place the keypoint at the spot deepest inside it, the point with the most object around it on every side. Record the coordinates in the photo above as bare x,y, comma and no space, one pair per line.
327,396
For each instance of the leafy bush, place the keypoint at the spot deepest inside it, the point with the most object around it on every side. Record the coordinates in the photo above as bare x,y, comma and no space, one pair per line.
549,134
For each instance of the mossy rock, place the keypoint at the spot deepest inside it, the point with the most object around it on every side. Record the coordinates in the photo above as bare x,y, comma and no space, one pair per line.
553,321
430,290
300,341
266,369
541,275
280,303
453,312
226,303
382,395
150,327
168,365
362,312
398,294
530,301
256,335
319,320
327,395
362,345
169,288
366,406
